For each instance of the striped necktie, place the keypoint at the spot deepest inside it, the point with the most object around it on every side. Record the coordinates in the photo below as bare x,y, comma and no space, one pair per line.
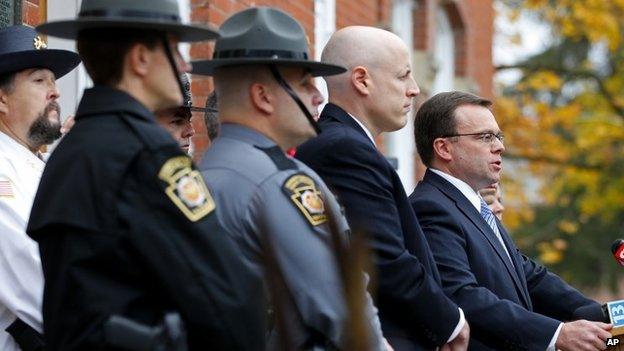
487,214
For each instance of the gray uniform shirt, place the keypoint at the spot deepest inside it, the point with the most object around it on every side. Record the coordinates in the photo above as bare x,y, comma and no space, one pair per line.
258,189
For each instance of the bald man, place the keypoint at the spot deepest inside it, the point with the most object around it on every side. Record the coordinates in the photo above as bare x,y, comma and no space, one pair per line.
375,96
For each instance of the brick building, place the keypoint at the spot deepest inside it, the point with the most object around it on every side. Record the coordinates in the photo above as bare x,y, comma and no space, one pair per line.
451,41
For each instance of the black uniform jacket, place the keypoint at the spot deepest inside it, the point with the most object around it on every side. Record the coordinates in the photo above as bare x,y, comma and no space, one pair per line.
126,226
414,312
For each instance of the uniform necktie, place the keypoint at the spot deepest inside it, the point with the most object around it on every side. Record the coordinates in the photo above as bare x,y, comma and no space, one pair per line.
487,214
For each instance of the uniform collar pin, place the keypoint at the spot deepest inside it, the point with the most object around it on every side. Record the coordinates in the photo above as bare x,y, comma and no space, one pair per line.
39,44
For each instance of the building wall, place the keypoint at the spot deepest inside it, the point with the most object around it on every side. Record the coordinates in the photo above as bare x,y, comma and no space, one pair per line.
479,17
33,12
472,22
472,26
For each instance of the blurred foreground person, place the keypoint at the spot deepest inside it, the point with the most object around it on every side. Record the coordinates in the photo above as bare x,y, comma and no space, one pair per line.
510,301
29,119
125,224
374,96
277,209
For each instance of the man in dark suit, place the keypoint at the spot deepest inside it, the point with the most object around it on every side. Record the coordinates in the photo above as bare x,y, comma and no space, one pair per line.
375,96
510,301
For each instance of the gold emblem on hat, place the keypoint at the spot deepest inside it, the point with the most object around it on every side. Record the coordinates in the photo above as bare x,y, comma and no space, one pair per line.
39,44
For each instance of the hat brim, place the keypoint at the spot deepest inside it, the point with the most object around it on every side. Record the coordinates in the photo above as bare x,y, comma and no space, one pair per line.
316,69
69,29
60,62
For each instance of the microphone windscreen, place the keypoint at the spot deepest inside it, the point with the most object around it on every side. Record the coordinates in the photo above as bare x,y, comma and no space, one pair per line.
593,312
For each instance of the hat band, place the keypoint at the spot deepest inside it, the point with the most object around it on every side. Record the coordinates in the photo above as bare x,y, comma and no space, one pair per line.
130,14
274,54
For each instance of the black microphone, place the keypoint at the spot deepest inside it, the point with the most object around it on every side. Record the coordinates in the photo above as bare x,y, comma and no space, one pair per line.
617,248
593,312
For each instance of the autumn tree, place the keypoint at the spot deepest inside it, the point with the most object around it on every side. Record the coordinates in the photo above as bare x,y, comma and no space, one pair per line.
564,126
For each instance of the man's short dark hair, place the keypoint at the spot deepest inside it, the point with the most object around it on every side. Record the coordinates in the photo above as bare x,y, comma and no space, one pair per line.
211,116
103,50
436,118
6,81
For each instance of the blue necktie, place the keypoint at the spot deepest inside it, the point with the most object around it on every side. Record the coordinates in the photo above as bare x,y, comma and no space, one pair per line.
487,214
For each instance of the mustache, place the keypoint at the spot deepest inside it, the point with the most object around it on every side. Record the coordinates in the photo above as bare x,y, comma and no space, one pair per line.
52,106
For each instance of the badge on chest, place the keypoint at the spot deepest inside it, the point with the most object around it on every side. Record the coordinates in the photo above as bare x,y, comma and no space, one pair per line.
186,188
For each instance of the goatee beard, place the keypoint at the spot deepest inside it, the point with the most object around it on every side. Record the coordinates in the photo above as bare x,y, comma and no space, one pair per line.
43,131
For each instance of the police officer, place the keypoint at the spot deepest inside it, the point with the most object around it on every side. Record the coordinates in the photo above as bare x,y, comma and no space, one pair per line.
177,120
29,119
274,206
125,224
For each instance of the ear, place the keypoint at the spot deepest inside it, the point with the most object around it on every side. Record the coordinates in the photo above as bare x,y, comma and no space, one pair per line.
262,98
361,80
442,149
139,59
4,102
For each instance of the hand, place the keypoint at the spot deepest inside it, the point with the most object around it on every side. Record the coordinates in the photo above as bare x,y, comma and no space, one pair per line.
69,122
460,343
583,335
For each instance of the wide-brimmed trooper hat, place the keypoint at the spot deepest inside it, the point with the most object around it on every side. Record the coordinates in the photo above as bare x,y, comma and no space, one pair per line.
159,15
21,48
263,35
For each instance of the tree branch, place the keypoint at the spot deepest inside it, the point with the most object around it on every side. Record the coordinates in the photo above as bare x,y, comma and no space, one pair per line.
609,97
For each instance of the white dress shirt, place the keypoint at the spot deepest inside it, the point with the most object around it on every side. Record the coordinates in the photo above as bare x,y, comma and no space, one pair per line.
21,275
475,200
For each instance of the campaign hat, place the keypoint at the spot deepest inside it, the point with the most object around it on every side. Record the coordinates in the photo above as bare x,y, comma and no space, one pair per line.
157,15
22,48
263,35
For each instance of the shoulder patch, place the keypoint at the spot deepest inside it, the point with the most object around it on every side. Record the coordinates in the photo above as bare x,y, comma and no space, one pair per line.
187,188
303,192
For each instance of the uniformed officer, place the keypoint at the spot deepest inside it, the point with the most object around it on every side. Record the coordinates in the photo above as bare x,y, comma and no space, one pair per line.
125,224
177,120
274,206
29,119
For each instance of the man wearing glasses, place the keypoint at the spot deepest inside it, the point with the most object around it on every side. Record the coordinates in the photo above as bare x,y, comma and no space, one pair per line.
510,301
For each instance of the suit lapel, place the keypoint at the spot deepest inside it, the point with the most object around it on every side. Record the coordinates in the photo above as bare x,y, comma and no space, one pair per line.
517,260
468,209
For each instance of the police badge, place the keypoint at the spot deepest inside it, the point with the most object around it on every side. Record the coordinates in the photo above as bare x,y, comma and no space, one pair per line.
186,188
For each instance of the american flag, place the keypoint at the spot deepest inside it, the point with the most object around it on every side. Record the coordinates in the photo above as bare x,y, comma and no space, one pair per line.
6,189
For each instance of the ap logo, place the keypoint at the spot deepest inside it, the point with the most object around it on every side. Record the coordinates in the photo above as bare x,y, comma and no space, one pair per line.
616,313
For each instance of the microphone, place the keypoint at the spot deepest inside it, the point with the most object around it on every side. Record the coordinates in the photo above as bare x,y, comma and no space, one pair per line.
617,248
593,312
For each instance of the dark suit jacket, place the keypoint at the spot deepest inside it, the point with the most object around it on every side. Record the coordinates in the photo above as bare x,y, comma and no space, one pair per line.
508,307
415,314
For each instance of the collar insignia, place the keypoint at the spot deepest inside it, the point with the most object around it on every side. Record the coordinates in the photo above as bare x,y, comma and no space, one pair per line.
39,44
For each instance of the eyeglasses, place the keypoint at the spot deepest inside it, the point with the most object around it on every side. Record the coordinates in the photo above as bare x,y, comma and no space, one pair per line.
486,137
